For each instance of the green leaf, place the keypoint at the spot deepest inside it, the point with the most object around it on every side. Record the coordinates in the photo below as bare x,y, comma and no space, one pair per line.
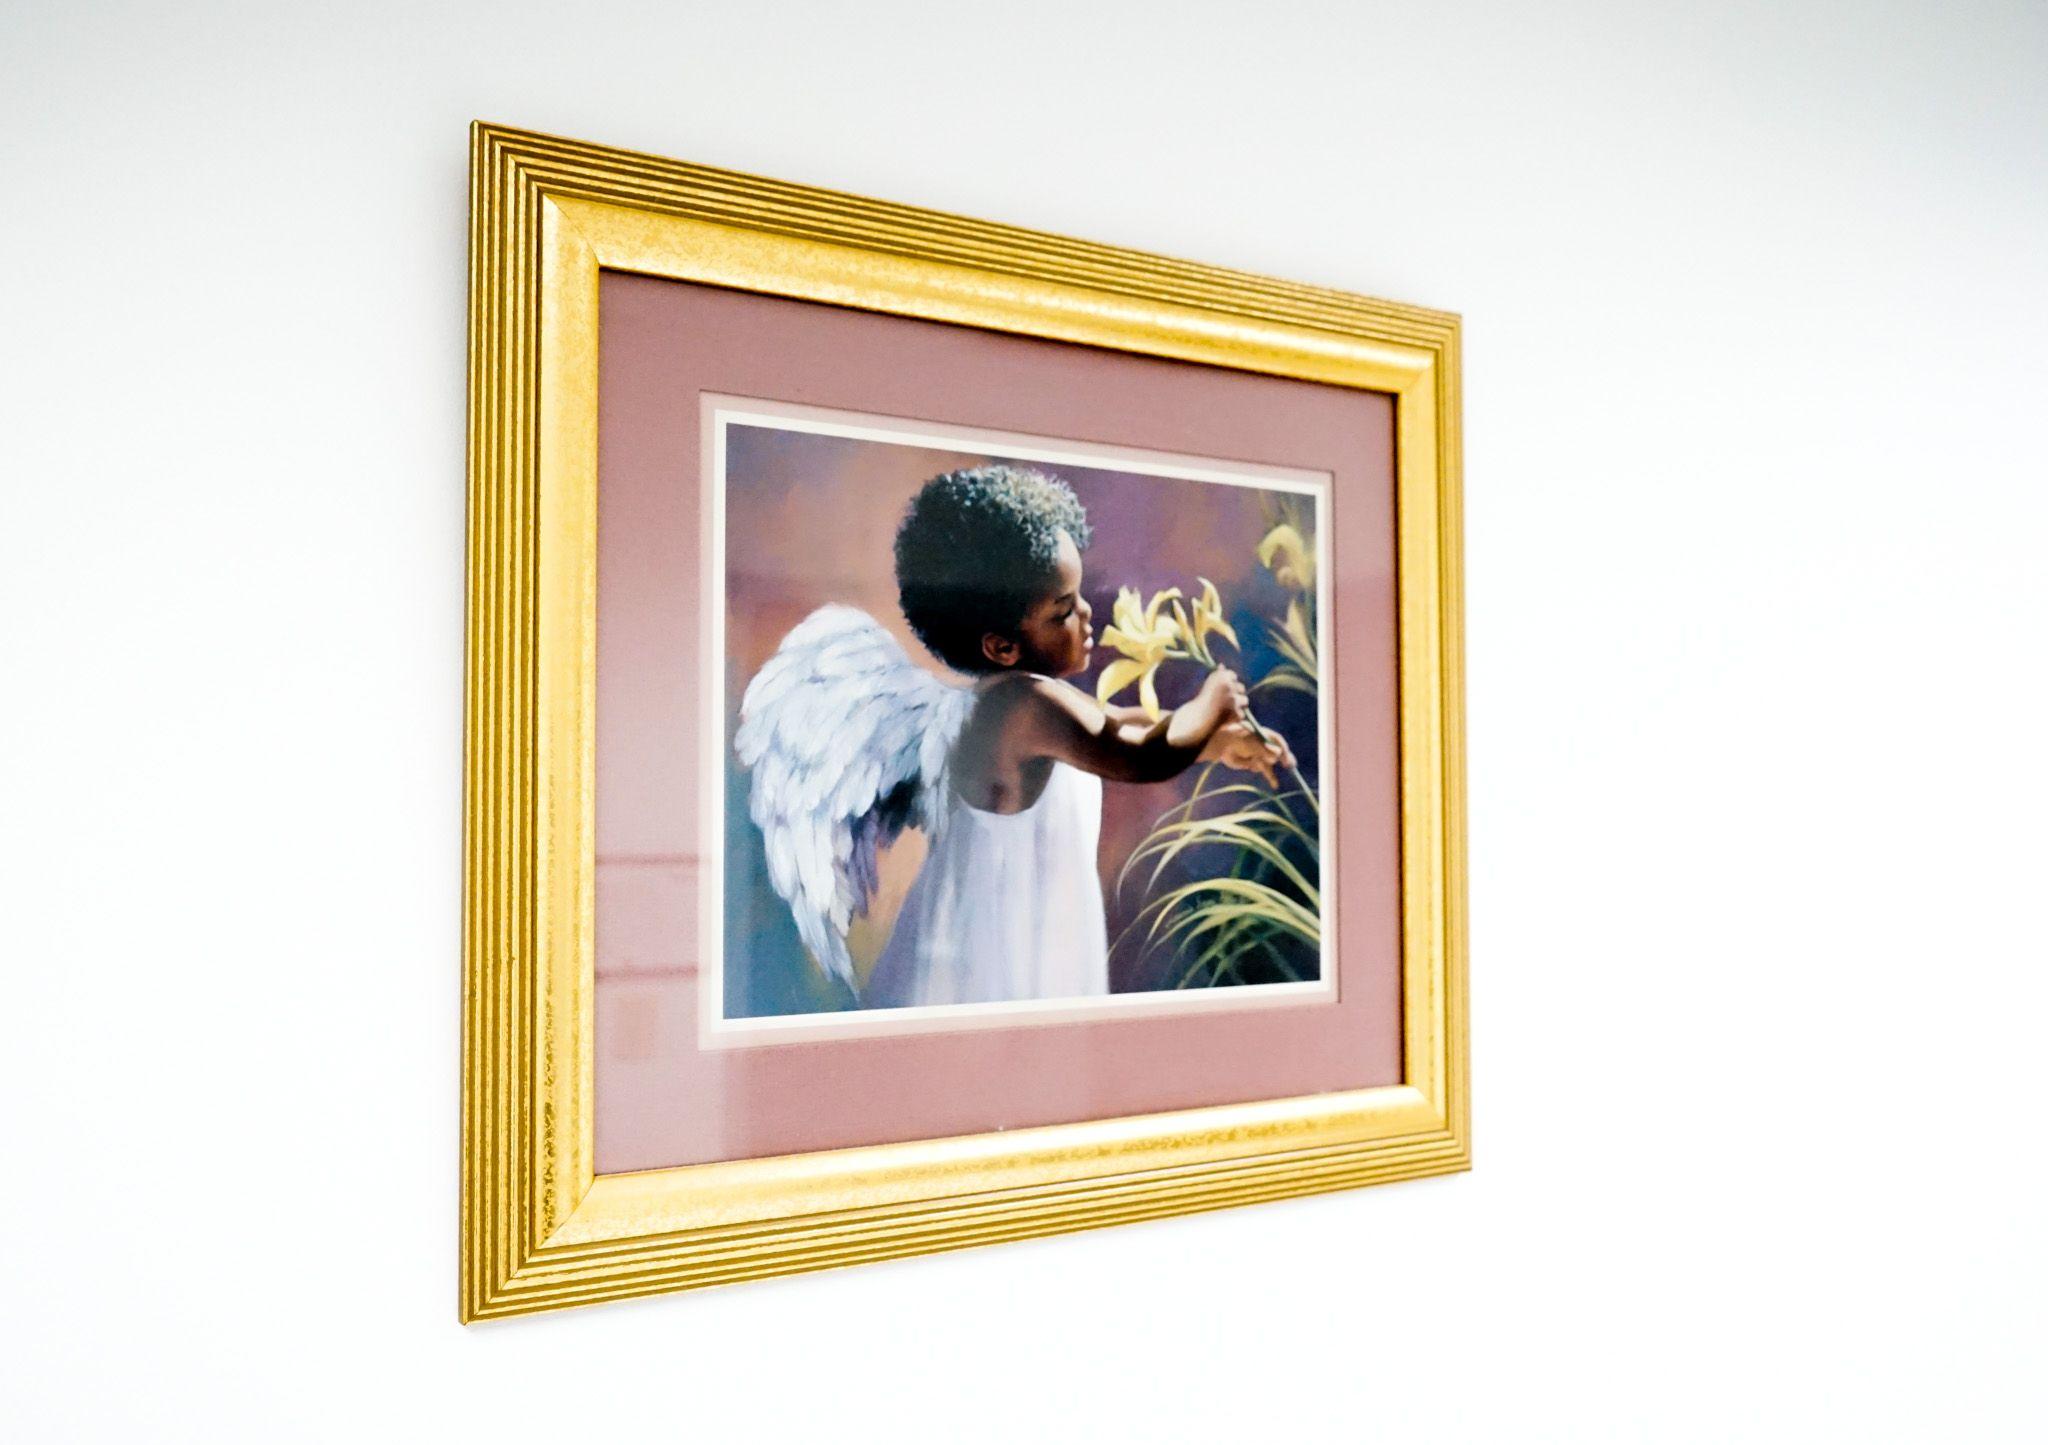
1265,902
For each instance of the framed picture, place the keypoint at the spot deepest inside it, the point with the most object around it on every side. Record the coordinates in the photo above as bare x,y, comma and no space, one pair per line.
963,733
1186,888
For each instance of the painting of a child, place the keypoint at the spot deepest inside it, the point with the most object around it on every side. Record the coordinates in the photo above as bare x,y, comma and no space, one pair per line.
983,741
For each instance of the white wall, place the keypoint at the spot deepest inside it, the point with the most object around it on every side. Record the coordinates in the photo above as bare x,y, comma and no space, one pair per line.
1756,304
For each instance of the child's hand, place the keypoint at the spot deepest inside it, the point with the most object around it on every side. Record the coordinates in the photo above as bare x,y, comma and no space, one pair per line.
1223,696
1237,746
1220,702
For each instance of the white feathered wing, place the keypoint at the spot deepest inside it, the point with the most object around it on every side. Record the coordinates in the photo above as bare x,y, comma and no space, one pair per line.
848,742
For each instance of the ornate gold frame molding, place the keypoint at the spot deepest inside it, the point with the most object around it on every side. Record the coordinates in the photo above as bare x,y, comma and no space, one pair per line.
541,1230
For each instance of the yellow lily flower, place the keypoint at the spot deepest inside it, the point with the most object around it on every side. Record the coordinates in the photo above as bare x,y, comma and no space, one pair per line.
1146,639
1208,619
1292,561
1295,627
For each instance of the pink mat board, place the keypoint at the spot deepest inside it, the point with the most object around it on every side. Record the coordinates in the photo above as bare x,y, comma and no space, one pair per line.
663,1100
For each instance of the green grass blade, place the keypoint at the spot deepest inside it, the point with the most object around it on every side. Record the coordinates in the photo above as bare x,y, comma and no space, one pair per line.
1237,830
1266,902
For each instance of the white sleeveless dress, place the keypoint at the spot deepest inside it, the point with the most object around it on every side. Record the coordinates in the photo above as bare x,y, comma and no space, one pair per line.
1006,906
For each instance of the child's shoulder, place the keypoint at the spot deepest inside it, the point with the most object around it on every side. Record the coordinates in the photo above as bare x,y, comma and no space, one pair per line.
1019,698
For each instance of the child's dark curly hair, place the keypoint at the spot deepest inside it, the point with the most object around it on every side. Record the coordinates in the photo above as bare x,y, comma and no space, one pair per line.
973,552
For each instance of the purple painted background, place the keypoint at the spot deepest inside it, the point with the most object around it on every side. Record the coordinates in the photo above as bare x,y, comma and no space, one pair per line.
810,519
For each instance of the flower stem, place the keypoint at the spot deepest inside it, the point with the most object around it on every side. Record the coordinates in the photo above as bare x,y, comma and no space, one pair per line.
1299,781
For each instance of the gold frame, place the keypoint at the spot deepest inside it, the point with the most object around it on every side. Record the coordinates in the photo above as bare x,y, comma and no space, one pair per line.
540,1230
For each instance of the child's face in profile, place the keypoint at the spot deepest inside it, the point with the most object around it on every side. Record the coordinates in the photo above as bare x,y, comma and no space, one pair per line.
1055,638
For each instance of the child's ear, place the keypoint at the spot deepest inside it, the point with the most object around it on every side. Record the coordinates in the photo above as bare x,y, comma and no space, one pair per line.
999,649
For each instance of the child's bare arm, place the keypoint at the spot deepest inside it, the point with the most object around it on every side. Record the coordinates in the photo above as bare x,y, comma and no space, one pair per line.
1119,712
1060,721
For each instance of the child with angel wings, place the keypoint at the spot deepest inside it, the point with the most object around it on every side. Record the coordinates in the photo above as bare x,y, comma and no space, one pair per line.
849,741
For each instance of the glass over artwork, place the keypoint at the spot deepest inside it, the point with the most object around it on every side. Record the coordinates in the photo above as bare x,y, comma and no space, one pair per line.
1012,726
